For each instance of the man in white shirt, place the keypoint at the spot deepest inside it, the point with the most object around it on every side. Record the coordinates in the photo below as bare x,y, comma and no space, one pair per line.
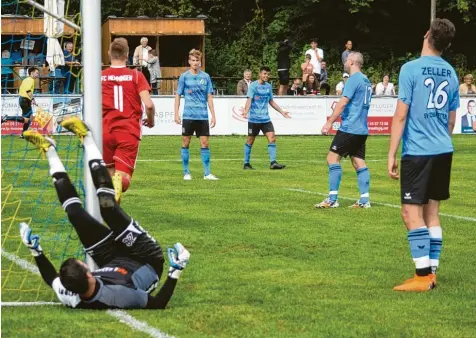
317,55
385,87
340,85
141,55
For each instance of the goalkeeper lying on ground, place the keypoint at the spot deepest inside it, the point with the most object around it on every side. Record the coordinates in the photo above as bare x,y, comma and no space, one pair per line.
130,261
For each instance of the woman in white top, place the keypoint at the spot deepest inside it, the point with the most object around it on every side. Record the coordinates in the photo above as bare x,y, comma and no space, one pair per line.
385,87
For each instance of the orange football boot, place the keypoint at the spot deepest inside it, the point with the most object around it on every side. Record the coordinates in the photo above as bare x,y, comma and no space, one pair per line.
416,284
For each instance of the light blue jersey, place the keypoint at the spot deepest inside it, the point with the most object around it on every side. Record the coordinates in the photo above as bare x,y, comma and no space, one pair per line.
359,92
260,95
195,89
429,86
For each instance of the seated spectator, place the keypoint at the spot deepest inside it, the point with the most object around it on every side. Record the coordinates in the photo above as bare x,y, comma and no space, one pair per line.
385,87
324,79
154,70
340,85
312,85
467,88
307,68
5,54
296,88
242,86
141,55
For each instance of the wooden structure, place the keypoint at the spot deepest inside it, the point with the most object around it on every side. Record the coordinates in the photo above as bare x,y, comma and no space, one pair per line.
26,26
172,38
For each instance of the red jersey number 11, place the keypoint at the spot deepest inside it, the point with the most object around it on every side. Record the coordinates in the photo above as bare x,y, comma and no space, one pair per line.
118,98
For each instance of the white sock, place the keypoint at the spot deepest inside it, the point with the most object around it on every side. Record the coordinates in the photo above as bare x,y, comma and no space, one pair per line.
56,166
436,234
92,151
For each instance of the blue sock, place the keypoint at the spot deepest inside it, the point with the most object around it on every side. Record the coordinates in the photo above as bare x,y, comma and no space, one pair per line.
185,158
436,242
363,178
205,155
335,175
272,151
247,152
419,240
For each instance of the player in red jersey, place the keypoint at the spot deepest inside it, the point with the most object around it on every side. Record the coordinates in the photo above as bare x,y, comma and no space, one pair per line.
124,91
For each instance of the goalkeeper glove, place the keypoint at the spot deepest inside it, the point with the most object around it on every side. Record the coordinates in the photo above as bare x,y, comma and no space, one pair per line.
31,241
178,259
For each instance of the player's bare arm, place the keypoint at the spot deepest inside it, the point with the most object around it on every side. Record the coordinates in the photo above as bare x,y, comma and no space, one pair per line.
247,108
398,125
213,121
273,104
177,108
452,121
149,108
335,115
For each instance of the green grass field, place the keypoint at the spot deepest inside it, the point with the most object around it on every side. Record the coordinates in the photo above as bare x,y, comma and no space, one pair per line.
264,262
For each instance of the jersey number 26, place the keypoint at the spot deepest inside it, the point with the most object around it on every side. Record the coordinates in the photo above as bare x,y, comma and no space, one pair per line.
438,98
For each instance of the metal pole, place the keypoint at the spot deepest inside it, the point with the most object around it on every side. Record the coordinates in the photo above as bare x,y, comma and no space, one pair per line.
60,18
92,100
433,10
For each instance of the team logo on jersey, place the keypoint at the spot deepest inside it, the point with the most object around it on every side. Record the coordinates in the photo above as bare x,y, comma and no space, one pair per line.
202,82
129,240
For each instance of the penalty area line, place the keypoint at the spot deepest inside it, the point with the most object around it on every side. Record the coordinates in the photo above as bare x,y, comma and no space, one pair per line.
465,218
122,316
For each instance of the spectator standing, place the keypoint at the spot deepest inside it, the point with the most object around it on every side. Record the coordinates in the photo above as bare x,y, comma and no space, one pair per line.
385,87
69,62
284,63
467,88
141,55
324,79
347,51
243,84
154,70
307,68
317,54
340,86
296,88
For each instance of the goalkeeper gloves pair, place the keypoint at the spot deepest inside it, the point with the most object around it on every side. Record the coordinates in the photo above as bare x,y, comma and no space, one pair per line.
178,259
31,241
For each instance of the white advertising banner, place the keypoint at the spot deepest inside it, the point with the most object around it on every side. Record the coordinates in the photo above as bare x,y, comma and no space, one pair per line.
308,114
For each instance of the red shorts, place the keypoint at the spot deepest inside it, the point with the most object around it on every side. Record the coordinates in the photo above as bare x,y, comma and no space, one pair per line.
120,150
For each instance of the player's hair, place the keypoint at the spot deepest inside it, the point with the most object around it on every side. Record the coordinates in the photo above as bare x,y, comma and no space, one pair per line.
308,56
119,49
358,57
73,276
316,40
153,52
31,70
265,68
196,53
442,31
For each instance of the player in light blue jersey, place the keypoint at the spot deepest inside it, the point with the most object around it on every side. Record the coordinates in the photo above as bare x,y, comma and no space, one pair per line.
425,117
260,94
197,88
352,134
